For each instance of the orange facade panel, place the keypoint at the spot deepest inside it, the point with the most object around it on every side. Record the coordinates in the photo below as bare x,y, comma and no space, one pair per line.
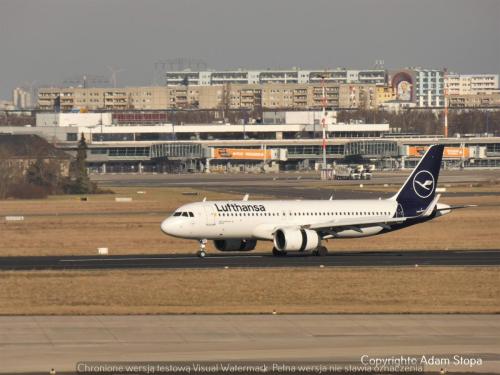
242,154
449,152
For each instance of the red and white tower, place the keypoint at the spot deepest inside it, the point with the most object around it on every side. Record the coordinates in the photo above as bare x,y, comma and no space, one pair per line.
445,82
323,119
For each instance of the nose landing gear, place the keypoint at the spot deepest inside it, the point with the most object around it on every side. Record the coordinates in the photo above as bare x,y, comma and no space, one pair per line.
201,252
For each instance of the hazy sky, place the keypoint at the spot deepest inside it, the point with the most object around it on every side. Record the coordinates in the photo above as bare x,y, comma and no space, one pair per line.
48,41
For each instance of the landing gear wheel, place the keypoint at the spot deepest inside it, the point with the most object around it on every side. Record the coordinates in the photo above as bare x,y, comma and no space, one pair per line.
202,253
320,251
278,253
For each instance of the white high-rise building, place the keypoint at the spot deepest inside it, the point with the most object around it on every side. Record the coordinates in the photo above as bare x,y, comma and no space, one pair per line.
428,87
21,98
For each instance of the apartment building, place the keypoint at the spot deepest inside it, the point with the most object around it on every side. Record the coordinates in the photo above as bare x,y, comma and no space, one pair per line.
429,87
358,96
471,84
229,96
68,99
21,98
287,76
474,100
251,96
384,94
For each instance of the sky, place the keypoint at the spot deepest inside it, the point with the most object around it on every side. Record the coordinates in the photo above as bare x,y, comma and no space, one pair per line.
45,42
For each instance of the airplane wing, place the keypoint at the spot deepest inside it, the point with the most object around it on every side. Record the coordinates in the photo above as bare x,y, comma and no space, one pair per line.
355,222
267,231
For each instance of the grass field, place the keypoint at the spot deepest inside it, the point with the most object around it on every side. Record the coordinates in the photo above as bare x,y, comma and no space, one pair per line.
66,225
326,290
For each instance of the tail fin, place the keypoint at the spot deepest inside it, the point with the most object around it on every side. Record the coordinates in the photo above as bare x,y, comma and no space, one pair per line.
419,190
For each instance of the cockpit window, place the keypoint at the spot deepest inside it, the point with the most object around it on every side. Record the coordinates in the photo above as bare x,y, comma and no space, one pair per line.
183,214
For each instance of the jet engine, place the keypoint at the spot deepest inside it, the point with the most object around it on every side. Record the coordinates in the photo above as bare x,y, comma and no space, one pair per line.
235,245
296,239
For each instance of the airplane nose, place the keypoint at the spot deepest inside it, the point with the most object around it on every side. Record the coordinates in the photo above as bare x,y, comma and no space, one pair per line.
166,226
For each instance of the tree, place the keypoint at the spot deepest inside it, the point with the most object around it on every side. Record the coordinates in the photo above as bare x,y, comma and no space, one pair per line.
81,158
9,174
44,174
79,182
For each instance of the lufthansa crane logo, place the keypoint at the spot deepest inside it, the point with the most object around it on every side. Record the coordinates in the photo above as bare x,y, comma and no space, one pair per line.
423,184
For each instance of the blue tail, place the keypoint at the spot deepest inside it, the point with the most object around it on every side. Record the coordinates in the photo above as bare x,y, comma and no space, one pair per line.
419,190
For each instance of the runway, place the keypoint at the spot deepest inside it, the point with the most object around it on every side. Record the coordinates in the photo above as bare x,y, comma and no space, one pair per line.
257,260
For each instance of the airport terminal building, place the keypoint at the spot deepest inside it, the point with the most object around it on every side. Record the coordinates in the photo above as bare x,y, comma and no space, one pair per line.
286,141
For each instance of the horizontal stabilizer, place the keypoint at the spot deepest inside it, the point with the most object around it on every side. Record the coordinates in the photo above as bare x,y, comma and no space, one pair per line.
457,207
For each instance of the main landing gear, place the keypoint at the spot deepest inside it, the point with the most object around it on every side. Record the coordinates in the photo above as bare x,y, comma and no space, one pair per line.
320,251
201,252
278,253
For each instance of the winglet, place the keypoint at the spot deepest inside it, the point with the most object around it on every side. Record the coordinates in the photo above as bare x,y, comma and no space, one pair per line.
428,211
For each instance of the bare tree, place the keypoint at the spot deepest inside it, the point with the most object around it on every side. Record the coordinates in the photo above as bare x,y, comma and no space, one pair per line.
9,174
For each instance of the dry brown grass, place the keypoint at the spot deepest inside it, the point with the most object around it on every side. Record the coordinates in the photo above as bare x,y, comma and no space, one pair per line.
327,290
64,225
133,227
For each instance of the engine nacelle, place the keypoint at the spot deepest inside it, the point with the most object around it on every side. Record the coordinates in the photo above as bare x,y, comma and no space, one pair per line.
296,239
235,245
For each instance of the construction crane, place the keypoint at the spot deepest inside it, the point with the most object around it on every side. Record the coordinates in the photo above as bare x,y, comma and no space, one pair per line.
114,72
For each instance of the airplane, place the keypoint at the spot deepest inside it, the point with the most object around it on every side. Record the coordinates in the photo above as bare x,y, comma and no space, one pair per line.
303,225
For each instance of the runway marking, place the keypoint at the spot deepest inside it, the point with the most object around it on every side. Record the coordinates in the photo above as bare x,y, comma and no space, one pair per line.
162,258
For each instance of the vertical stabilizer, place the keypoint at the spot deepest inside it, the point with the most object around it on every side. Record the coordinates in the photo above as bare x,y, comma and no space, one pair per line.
419,190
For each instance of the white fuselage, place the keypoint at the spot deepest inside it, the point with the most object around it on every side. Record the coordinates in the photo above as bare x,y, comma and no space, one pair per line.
259,219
